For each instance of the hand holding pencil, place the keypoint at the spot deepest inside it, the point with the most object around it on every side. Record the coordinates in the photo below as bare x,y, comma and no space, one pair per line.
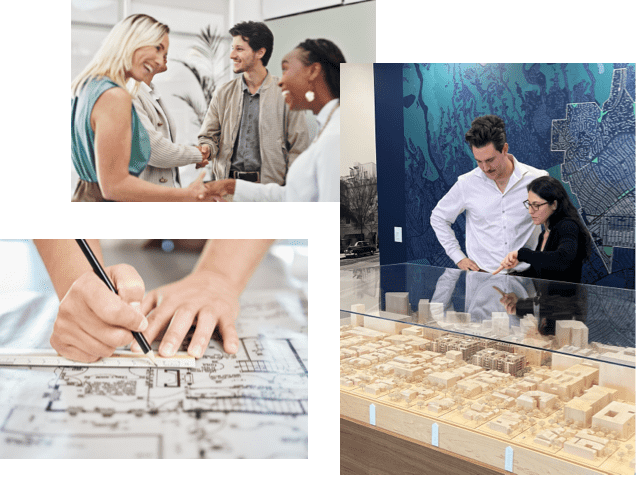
92,321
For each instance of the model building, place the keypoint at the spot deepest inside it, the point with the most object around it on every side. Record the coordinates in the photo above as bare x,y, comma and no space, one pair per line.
565,402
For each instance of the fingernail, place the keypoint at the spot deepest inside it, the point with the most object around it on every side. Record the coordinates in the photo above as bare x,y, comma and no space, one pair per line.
196,351
233,346
167,350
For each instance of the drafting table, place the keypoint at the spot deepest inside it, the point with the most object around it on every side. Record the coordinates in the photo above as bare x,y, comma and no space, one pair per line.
249,405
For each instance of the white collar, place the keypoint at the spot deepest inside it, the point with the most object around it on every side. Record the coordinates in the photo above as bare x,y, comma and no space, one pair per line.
324,113
516,172
151,89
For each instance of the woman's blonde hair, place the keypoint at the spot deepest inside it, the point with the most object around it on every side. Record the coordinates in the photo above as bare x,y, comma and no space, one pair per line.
114,57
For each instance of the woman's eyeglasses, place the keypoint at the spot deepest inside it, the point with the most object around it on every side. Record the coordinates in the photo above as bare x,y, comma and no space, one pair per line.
534,206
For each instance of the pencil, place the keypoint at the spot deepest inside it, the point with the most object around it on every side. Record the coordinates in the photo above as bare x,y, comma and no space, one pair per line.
99,271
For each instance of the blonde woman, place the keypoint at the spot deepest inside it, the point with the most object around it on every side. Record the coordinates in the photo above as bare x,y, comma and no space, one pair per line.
110,147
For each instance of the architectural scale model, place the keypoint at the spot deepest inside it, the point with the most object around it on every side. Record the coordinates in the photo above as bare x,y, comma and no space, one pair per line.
249,405
568,405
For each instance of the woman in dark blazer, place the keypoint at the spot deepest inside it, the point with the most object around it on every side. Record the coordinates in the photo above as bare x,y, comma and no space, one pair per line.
564,243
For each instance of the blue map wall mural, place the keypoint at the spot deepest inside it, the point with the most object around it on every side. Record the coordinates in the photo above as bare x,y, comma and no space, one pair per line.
574,120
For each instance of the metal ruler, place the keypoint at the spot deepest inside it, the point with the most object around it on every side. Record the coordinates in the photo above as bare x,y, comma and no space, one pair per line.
123,359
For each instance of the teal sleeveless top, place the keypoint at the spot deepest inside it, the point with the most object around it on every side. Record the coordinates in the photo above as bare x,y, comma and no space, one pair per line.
83,137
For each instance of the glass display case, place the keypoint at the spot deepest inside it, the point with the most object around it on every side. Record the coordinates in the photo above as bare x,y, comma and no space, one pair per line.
523,375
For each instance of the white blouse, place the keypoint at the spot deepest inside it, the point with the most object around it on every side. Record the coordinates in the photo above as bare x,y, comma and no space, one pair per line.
314,175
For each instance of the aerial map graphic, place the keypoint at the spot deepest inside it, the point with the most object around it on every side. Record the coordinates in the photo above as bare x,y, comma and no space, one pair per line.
574,120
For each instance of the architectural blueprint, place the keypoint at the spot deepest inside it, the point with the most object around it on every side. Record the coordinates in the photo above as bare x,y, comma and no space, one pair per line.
249,405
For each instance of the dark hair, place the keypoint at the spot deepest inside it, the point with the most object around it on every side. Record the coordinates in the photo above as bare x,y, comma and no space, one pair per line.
257,36
551,190
486,129
328,56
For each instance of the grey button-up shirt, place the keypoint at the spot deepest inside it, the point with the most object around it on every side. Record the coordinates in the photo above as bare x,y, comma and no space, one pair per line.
247,149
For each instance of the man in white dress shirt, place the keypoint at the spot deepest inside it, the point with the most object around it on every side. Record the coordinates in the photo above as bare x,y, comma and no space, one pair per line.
492,196
165,155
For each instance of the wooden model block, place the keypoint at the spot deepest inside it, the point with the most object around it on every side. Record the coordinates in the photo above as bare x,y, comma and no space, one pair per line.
429,311
414,331
432,333
454,355
549,438
423,312
563,361
582,409
397,339
446,379
506,423
500,322
397,302
528,322
387,322
408,370
620,378
503,399
585,445
436,310
357,319
440,405
451,317
376,389
579,334
617,417
563,332
464,318
408,395
536,399
420,343
457,317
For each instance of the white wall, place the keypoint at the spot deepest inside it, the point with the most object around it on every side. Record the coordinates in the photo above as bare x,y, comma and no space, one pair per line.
350,27
357,115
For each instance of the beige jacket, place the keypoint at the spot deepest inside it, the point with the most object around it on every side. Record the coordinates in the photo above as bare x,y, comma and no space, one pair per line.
283,133
165,155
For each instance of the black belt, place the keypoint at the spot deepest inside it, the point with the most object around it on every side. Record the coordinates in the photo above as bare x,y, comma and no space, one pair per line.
246,176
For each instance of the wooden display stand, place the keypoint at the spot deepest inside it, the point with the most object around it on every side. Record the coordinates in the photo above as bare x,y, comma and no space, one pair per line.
506,410
366,450
485,451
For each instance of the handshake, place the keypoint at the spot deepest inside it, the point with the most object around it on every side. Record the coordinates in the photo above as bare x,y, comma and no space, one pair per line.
212,190
205,153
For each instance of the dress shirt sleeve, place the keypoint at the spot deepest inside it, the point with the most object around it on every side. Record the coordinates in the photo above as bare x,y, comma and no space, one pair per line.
327,169
253,191
567,237
163,152
210,132
443,216
297,137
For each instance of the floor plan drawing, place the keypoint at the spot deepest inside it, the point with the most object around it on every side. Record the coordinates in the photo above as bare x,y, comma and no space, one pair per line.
249,405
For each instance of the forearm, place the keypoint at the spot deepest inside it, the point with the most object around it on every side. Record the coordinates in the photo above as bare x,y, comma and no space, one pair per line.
131,188
235,259
65,262
163,152
166,154
253,191
446,237
211,130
